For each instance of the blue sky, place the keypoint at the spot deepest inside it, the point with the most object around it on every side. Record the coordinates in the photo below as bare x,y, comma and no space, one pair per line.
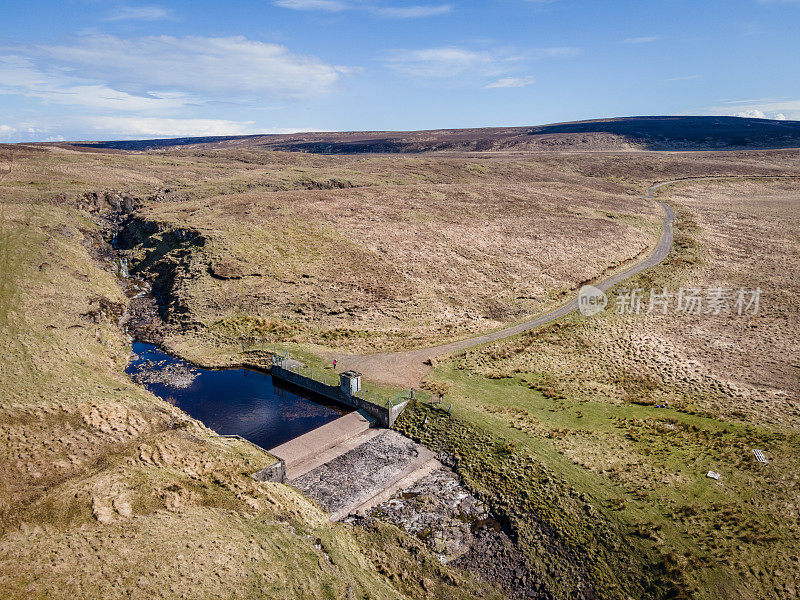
98,69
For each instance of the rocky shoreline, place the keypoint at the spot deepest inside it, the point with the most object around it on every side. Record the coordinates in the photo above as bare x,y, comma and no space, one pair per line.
175,375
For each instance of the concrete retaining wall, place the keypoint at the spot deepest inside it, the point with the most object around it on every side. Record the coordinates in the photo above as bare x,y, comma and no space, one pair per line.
382,414
395,411
276,472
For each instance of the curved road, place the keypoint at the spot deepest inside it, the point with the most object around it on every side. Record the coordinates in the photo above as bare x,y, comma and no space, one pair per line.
408,368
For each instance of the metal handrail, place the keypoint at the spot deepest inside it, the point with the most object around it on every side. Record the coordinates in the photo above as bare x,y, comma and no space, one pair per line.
306,371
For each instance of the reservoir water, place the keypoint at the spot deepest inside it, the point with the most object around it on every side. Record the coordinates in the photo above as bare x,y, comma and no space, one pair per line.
230,401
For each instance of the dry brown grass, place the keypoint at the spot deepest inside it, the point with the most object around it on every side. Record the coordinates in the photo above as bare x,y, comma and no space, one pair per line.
422,249
392,266
738,366
585,388
107,489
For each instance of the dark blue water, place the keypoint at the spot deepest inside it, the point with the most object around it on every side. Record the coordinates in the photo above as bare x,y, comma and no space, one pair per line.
233,401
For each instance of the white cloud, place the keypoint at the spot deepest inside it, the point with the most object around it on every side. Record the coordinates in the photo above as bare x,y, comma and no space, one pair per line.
412,12
642,40
762,108
437,62
751,114
164,127
780,105
24,131
91,127
231,66
325,5
757,114
451,61
99,96
448,62
560,51
139,13
141,86
397,12
19,76
510,82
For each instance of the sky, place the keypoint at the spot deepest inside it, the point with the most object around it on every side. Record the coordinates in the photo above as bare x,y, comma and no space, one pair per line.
102,69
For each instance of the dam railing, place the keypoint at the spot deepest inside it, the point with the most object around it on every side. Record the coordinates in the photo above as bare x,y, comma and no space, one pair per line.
385,409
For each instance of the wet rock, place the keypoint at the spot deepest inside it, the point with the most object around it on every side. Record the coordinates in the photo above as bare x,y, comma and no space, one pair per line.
438,510
144,320
496,558
457,526
176,375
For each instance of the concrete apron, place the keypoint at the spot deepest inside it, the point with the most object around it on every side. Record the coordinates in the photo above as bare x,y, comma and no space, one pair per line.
320,439
348,467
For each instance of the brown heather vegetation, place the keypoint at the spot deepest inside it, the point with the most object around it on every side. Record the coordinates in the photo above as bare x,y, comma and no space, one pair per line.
592,386
109,490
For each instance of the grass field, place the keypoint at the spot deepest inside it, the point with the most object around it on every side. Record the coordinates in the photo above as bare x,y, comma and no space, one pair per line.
557,428
581,398
110,491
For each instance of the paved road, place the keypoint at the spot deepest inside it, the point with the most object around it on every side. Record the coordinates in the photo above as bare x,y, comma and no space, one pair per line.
408,369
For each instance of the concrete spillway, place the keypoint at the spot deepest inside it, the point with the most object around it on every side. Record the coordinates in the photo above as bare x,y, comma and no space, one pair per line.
384,414
349,467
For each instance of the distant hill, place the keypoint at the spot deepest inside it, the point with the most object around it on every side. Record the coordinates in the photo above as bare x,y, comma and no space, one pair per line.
624,133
